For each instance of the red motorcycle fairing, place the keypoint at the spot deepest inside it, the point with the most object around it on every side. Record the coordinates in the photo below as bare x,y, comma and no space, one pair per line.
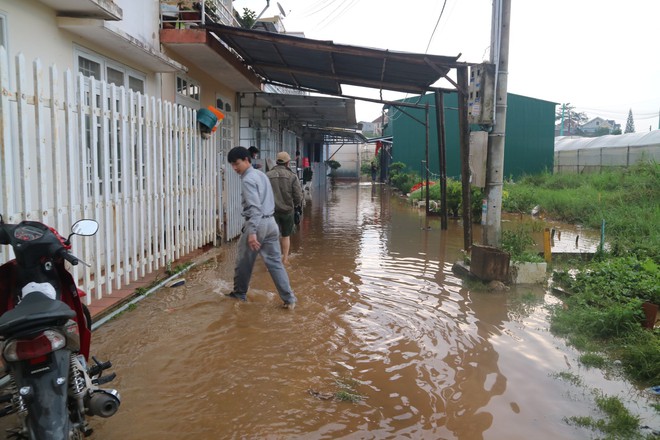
70,296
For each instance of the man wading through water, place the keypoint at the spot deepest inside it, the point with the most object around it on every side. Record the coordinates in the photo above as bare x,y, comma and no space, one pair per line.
288,197
260,234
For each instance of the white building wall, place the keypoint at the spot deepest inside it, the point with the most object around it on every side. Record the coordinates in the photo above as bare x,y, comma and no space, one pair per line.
32,30
141,20
348,155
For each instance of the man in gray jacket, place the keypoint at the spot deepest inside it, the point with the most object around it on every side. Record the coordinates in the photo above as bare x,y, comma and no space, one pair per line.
288,195
260,232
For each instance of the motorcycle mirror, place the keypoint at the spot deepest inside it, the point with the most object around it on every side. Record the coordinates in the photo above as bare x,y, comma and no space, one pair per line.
85,227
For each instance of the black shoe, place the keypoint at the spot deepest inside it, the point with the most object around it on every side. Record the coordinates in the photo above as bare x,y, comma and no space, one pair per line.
237,296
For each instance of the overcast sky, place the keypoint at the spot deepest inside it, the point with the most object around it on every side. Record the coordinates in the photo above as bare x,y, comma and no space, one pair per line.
601,56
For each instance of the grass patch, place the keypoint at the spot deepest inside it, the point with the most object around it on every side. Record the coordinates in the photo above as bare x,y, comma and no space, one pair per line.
593,360
618,422
627,199
602,312
569,377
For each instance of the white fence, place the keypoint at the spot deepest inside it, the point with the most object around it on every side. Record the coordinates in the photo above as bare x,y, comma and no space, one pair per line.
86,149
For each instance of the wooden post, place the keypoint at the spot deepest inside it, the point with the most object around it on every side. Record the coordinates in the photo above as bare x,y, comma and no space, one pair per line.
442,156
547,246
464,137
426,171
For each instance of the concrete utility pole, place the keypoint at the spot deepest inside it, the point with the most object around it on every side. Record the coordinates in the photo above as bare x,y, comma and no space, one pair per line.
499,55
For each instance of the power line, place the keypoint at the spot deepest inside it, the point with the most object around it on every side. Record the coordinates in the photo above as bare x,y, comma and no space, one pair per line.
436,26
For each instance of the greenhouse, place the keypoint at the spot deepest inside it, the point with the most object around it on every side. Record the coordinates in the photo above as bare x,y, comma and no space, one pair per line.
583,155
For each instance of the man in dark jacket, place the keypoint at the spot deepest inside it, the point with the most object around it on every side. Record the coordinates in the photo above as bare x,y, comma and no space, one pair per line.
288,196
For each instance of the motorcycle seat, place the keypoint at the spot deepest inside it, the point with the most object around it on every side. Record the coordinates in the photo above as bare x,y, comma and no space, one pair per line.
34,310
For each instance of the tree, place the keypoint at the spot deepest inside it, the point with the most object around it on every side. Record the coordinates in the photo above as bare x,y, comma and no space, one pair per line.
570,118
602,131
247,19
630,123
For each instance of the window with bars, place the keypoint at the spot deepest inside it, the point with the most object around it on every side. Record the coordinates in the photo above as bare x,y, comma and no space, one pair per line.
188,92
90,64
227,124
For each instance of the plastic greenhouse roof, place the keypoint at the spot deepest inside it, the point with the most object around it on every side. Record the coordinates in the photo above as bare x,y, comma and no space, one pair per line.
644,139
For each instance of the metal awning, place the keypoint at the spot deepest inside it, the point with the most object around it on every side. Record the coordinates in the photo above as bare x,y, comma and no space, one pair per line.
306,110
323,66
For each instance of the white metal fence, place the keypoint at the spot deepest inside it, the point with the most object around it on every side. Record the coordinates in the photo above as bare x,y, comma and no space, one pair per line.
74,147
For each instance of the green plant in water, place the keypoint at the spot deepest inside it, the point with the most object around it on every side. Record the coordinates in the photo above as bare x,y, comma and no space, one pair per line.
518,243
177,269
454,198
570,377
346,396
592,360
347,391
618,423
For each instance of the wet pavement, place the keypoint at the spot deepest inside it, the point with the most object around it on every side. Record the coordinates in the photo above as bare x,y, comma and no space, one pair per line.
381,319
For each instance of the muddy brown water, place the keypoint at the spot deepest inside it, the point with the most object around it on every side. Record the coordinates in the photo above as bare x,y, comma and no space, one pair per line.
380,315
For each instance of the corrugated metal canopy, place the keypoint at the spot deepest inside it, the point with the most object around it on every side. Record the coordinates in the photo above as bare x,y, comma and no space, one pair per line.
309,110
323,66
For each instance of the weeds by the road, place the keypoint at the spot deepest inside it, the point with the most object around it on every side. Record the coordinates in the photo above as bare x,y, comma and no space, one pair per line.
618,423
628,200
602,313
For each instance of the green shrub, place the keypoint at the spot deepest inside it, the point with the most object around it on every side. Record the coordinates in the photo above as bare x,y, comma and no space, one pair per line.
454,198
400,179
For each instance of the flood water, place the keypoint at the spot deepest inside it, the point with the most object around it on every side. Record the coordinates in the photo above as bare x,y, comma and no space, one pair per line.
380,316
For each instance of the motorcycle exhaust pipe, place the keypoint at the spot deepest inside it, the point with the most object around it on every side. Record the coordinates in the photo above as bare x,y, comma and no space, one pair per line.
103,403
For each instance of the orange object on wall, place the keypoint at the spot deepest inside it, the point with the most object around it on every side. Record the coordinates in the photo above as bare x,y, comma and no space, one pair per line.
219,115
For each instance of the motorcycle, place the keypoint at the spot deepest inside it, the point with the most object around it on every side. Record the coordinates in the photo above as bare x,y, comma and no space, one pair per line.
45,336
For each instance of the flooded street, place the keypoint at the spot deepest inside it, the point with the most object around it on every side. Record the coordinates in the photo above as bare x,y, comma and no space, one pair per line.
380,316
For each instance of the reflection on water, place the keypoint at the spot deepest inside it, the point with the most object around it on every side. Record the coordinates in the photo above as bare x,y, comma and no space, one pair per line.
431,356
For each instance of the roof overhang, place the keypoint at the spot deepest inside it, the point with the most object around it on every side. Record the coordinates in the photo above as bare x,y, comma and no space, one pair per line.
323,66
311,111
338,135
118,41
202,49
101,9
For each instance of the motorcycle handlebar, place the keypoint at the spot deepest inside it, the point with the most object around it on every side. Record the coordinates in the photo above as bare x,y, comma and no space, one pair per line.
68,257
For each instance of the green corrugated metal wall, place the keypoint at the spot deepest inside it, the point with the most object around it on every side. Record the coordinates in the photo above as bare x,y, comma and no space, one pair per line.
529,145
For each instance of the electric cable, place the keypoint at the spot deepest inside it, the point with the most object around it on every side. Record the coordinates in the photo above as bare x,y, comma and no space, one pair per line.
436,26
